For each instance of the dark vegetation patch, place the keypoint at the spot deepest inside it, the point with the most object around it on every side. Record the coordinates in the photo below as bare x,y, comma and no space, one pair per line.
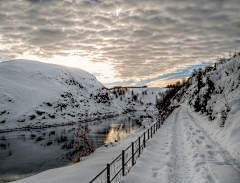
51,116
48,104
40,113
32,117
39,139
2,112
3,121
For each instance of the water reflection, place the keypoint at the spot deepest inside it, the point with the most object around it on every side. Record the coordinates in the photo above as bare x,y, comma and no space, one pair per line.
24,153
118,132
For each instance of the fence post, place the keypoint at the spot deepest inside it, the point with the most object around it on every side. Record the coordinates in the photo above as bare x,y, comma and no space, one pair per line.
148,133
139,145
108,173
151,131
144,140
132,153
123,163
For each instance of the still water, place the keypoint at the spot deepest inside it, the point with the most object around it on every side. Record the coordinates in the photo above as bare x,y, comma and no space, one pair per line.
25,153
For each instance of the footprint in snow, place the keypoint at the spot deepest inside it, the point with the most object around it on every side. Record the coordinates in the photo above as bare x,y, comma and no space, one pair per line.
199,164
199,141
195,155
202,137
155,174
209,146
212,153
211,177
197,169
169,164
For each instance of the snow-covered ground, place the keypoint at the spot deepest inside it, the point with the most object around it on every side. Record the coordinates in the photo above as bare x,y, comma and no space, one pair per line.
182,150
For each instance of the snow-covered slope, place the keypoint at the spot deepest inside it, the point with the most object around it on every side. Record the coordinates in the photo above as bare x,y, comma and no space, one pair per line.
34,94
214,92
138,99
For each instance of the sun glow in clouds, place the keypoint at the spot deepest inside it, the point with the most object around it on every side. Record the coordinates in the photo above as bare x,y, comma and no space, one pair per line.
103,71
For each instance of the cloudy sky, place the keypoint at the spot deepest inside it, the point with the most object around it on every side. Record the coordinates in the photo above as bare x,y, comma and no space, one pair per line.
122,42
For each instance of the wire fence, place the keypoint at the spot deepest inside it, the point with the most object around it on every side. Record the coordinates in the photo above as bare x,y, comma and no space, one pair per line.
124,162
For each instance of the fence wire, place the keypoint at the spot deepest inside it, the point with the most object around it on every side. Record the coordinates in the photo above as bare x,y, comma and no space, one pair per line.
122,164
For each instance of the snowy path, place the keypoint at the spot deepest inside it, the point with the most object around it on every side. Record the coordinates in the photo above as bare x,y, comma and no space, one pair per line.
182,151
181,167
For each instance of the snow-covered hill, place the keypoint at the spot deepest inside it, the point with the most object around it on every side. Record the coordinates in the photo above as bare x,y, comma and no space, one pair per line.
138,99
34,94
214,92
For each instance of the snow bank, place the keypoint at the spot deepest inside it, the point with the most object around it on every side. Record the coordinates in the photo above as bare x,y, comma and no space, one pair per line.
214,92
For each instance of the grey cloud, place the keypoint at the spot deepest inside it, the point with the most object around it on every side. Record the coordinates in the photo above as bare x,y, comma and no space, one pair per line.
139,38
39,1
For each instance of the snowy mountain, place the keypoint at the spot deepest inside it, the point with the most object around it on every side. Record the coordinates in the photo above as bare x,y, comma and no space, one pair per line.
35,94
